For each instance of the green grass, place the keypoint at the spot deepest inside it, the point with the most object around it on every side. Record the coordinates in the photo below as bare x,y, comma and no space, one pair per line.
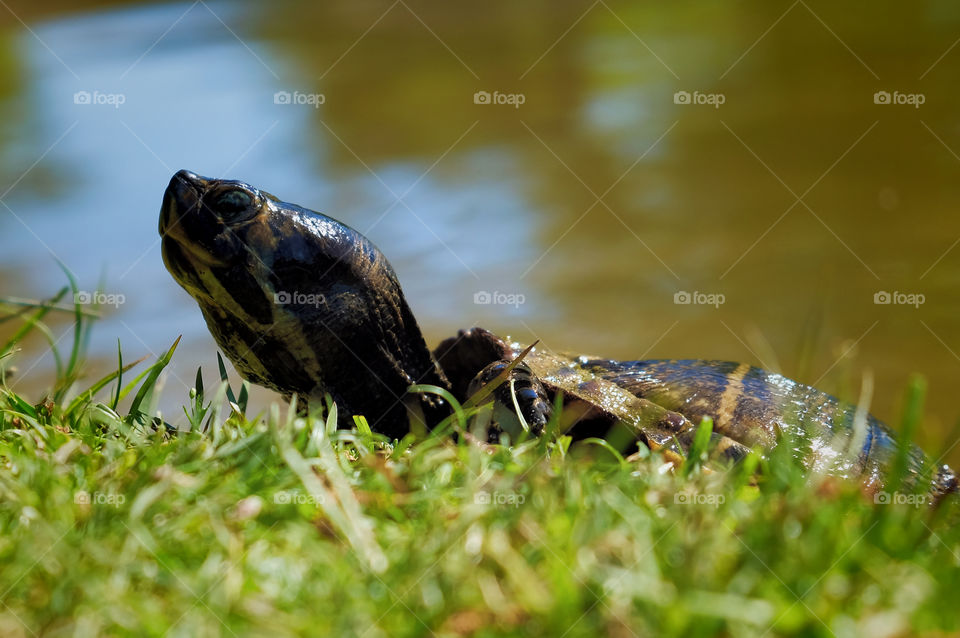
283,525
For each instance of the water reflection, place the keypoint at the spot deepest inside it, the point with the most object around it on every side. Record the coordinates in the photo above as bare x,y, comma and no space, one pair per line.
597,200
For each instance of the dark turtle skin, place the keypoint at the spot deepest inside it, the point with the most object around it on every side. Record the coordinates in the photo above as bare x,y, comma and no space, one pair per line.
299,302
305,305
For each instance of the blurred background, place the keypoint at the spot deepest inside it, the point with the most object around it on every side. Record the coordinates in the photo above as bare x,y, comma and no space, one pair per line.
769,182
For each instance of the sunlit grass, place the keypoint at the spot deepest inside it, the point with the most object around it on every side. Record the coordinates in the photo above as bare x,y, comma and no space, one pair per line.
110,524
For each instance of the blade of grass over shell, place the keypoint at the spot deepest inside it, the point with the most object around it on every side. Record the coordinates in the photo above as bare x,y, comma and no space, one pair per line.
747,469
518,411
553,430
912,415
679,447
477,397
853,447
700,446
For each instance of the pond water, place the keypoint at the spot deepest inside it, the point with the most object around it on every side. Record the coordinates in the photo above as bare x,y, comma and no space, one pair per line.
584,167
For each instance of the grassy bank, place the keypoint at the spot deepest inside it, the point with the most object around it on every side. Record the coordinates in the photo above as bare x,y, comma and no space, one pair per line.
281,525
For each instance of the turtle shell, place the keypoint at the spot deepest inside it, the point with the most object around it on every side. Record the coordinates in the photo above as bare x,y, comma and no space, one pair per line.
661,402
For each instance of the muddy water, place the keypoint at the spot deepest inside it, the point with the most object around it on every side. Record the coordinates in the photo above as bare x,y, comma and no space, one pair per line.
748,182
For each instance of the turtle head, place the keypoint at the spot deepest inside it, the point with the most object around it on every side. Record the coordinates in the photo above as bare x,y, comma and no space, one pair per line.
298,301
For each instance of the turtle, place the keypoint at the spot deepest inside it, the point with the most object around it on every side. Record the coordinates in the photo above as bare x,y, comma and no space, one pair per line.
305,305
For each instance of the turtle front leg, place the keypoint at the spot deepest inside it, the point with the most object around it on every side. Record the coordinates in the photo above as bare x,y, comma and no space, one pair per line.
519,404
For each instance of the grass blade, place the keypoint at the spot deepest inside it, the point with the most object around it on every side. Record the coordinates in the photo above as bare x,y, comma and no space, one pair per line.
99,385
223,377
151,378
477,397
699,448
30,322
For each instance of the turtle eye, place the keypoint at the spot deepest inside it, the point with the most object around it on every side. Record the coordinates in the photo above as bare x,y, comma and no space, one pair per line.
232,202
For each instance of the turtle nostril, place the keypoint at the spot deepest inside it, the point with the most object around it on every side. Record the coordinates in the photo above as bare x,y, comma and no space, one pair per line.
181,197
188,177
